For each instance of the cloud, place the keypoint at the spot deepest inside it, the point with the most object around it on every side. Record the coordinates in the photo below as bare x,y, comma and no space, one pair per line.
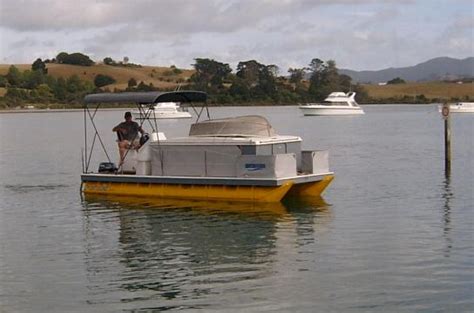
164,15
358,34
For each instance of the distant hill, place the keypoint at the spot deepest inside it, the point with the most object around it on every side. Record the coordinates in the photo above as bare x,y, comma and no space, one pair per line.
442,68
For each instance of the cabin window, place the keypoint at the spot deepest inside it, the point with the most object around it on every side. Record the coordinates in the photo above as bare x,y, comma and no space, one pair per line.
248,150
293,147
264,150
271,149
278,148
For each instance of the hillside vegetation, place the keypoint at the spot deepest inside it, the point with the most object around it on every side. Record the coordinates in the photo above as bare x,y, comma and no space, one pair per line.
53,83
160,77
66,79
163,78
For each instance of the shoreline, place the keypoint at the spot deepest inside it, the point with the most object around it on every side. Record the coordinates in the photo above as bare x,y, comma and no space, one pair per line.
18,111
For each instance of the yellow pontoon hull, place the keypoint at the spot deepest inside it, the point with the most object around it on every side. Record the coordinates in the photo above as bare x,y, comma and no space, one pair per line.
207,192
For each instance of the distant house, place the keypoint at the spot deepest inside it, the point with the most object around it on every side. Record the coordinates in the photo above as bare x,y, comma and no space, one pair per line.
382,84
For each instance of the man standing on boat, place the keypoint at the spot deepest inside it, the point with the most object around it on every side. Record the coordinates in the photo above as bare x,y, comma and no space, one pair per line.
127,133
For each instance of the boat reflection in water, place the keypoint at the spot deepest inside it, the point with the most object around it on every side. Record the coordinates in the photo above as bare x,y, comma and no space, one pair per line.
154,250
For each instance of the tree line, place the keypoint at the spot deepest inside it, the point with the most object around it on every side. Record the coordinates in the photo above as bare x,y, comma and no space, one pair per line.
251,83
254,82
36,86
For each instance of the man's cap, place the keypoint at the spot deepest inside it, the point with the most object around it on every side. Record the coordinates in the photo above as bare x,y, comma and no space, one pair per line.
128,114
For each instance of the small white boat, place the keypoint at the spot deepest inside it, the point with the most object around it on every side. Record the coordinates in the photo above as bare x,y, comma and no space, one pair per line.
162,110
460,107
337,103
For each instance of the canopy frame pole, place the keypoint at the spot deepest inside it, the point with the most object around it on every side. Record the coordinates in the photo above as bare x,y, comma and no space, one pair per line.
92,116
145,115
88,159
92,149
149,99
199,113
84,157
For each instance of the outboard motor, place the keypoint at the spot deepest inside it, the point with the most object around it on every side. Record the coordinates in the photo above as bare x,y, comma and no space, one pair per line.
107,168
144,138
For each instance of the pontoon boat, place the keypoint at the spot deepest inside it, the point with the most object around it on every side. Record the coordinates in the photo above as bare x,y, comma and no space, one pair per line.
232,159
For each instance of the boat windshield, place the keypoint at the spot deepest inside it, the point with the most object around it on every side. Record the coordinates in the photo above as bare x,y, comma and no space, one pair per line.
335,103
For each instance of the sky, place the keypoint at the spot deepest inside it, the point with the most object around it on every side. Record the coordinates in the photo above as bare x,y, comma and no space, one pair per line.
357,34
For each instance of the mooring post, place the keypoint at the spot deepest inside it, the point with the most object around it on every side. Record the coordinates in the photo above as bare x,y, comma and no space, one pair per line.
447,138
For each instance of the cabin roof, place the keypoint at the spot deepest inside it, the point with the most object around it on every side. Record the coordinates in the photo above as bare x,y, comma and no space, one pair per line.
149,97
250,125
226,140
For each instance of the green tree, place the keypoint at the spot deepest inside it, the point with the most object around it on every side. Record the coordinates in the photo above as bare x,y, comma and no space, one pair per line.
326,79
132,82
317,69
259,78
109,61
273,69
17,93
61,57
14,76
175,70
296,75
39,65
361,93
345,81
266,82
44,92
240,90
331,75
31,79
73,84
396,80
79,59
60,89
209,74
74,59
144,87
249,71
102,80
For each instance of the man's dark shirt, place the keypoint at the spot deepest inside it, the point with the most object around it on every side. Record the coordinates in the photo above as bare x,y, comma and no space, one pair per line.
132,130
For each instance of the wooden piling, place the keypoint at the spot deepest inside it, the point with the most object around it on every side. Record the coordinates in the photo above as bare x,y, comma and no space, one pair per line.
447,138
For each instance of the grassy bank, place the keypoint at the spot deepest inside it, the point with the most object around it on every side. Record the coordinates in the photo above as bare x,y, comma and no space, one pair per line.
160,77
438,91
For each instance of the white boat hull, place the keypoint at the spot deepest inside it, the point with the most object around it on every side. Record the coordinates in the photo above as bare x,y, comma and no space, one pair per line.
461,110
461,107
330,110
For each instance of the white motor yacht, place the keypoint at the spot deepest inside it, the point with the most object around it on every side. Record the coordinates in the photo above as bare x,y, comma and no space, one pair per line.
337,103
162,110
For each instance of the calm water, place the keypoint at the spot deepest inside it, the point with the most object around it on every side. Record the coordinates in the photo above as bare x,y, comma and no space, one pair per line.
391,234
